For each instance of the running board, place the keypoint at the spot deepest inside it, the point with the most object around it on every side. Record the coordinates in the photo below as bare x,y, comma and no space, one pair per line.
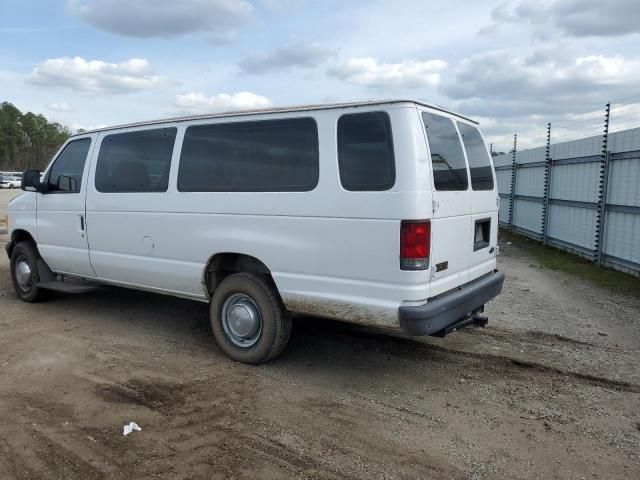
67,287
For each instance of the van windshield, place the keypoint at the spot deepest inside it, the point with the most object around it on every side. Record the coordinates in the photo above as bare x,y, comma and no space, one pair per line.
479,162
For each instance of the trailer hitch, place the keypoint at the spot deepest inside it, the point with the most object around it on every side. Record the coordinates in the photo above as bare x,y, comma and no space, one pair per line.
473,320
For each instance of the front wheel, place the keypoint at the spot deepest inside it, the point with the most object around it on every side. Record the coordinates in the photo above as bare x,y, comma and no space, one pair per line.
11,186
24,272
248,320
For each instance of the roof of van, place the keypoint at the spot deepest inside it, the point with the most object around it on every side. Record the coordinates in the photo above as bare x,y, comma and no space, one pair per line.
294,108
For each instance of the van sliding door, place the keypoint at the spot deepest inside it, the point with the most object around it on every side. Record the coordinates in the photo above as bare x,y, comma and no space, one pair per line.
129,211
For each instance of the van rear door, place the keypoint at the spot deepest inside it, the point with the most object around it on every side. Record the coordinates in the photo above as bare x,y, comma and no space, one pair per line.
484,202
451,232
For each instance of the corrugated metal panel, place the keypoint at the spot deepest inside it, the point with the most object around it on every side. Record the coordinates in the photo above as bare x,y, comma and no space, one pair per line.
584,147
622,236
624,179
531,155
577,181
501,160
503,213
528,215
574,225
503,178
624,141
530,181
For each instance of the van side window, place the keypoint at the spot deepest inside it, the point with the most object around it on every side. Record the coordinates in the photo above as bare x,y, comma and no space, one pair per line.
447,157
479,162
258,156
365,152
66,172
135,161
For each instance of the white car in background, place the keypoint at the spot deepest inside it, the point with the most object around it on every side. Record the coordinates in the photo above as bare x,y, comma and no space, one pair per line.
12,181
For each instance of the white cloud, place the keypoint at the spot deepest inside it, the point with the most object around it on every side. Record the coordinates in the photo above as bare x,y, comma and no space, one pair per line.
551,84
577,18
197,103
96,76
541,82
218,19
371,72
306,55
60,107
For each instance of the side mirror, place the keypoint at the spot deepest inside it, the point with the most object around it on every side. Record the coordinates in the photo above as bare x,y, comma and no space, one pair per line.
31,181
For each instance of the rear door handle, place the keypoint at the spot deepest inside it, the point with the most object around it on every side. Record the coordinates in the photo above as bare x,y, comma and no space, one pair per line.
81,223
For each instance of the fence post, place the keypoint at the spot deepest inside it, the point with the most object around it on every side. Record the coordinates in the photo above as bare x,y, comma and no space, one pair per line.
602,187
548,166
514,175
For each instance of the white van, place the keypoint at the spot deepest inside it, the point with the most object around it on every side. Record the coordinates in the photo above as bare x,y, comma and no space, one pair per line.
379,213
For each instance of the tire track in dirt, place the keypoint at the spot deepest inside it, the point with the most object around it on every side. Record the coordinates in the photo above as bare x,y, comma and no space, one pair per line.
507,362
425,348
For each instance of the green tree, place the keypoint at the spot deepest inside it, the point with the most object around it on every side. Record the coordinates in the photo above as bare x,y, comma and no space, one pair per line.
27,140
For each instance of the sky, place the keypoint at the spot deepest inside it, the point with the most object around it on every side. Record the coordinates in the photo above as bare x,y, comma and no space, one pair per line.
513,66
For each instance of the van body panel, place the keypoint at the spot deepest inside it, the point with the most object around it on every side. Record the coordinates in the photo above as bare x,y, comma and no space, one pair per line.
294,234
331,252
483,260
450,226
62,236
485,204
22,213
128,232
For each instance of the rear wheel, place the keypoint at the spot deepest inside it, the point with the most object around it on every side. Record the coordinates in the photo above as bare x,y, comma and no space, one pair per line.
248,319
24,272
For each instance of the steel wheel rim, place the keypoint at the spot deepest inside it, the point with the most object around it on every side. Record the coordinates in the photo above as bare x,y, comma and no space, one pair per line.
24,275
241,320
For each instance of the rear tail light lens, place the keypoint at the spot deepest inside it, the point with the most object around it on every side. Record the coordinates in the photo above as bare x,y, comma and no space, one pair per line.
415,245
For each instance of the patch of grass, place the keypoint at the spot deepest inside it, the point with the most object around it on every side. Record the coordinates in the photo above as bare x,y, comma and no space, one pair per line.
555,259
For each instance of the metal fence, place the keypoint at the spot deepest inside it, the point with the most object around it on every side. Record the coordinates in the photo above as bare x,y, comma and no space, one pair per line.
582,196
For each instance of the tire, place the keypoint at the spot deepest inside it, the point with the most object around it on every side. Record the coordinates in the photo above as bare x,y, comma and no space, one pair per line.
25,283
11,186
245,340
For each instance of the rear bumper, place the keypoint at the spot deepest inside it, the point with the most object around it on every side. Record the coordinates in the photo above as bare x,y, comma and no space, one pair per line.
448,308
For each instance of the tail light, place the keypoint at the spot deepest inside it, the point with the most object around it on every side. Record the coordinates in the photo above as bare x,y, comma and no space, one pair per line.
415,244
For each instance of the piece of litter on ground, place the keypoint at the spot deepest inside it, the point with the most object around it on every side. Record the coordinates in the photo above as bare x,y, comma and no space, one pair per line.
508,243
130,428
5,363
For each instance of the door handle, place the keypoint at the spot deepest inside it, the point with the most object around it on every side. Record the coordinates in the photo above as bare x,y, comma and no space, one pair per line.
81,218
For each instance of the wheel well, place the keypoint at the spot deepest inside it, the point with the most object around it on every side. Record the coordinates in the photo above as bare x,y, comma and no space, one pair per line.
222,265
21,236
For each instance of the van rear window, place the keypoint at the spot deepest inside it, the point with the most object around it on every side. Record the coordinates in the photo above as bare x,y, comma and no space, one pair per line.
258,156
135,161
447,157
479,162
365,152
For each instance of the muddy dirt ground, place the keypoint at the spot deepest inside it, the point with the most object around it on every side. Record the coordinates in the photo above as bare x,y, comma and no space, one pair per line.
550,389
